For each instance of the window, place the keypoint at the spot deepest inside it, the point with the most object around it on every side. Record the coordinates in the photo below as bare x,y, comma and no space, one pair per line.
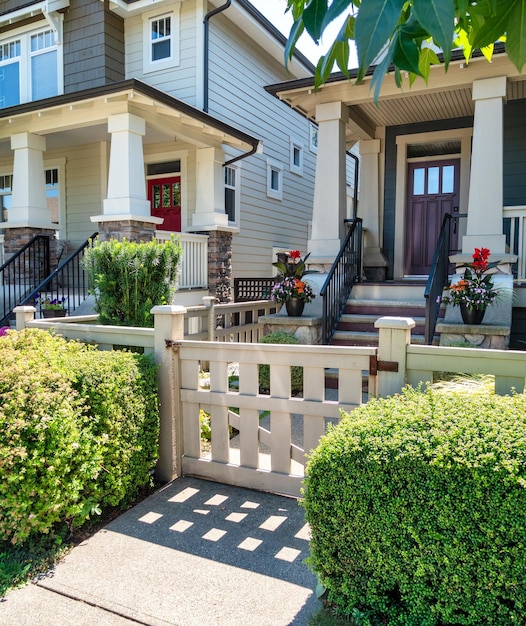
160,40
6,188
274,180
296,157
313,131
231,193
30,67
52,193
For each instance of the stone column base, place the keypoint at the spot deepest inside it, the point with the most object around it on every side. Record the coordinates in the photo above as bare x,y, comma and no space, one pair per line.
307,330
33,273
488,336
219,264
131,230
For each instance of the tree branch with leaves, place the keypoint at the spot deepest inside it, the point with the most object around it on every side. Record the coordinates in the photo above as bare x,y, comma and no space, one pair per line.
407,34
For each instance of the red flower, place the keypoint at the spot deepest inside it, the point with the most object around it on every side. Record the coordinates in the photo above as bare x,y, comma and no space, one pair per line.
295,254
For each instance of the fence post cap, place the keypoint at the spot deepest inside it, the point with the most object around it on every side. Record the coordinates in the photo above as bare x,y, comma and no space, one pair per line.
24,309
167,309
402,323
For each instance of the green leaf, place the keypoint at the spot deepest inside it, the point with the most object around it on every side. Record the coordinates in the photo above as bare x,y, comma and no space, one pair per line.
336,9
494,25
380,71
438,18
375,24
516,40
313,17
295,33
405,56
428,57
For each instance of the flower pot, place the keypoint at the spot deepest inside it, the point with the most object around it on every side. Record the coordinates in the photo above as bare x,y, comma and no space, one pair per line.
47,313
475,316
295,307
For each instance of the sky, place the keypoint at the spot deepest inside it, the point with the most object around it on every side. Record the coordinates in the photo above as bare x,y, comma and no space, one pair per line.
274,11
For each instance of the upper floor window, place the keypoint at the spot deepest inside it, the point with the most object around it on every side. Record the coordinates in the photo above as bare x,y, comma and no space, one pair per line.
274,180
296,157
30,67
313,135
160,40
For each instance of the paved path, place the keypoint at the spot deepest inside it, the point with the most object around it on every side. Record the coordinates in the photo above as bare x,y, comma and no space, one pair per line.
195,553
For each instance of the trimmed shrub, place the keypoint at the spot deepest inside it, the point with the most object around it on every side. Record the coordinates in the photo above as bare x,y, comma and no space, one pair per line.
417,507
296,372
78,429
127,279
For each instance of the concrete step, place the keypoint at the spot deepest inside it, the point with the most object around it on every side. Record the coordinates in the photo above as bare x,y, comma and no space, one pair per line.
351,338
389,290
365,322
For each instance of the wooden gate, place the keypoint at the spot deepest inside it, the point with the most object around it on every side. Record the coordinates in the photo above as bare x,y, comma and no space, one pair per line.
259,439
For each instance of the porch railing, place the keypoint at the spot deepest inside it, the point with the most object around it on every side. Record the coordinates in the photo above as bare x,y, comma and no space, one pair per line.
514,223
25,269
345,272
69,282
438,278
194,264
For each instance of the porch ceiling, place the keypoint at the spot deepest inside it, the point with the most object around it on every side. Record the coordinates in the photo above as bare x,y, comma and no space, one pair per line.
82,119
447,96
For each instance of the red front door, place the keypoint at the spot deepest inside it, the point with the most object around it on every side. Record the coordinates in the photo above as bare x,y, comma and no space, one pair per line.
433,191
164,195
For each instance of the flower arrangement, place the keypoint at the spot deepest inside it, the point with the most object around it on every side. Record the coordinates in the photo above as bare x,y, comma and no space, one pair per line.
475,290
289,288
45,303
291,284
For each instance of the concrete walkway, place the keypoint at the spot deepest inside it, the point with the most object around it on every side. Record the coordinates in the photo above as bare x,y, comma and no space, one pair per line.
195,553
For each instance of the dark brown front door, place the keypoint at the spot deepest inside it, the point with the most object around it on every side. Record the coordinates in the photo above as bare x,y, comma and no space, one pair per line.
433,191
164,195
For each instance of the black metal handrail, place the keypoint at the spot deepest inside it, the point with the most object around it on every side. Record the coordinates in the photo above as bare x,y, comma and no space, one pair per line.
25,269
438,279
344,273
68,283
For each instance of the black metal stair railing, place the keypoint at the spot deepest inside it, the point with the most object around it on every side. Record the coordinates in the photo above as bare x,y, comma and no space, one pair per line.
25,269
344,273
438,279
67,284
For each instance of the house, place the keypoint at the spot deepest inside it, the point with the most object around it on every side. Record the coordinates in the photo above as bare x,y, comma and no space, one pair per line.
455,145
134,117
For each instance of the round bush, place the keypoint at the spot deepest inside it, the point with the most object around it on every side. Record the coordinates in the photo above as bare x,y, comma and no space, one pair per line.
417,507
296,372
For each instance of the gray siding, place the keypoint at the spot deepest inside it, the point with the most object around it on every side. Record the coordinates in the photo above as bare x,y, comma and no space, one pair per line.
391,134
514,153
93,46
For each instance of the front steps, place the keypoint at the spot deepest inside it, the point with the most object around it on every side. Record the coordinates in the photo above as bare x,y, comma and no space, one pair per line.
370,301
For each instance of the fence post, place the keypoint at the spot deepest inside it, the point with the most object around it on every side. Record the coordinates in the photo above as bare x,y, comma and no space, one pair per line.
209,302
24,314
394,337
169,327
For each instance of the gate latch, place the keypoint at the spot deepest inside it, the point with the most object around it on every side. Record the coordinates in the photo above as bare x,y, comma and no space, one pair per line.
376,366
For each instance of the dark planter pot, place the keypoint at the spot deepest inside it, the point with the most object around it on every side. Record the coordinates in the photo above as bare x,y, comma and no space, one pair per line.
294,307
46,313
475,316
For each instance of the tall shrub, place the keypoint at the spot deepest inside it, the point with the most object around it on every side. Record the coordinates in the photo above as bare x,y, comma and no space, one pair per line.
127,279
417,508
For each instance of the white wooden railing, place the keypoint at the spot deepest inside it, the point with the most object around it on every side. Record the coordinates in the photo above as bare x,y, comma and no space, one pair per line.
194,264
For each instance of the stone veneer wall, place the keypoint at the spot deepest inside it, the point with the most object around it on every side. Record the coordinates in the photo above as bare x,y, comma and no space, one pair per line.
219,264
17,238
131,230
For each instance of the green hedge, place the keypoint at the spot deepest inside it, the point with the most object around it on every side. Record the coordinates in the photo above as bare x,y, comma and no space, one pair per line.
128,278
417,506
78,430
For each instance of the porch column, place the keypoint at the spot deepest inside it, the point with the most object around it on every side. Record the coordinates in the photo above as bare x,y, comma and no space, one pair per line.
126,210
329,210
484,223
29,203
210,199
126,180
374,263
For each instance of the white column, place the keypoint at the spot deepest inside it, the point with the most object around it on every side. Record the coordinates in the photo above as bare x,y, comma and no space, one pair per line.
210,196
29,202
484,224
369,206
330,199
126,179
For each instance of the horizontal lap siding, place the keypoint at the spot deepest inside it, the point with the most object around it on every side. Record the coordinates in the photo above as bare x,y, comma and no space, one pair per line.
238,74
515,153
